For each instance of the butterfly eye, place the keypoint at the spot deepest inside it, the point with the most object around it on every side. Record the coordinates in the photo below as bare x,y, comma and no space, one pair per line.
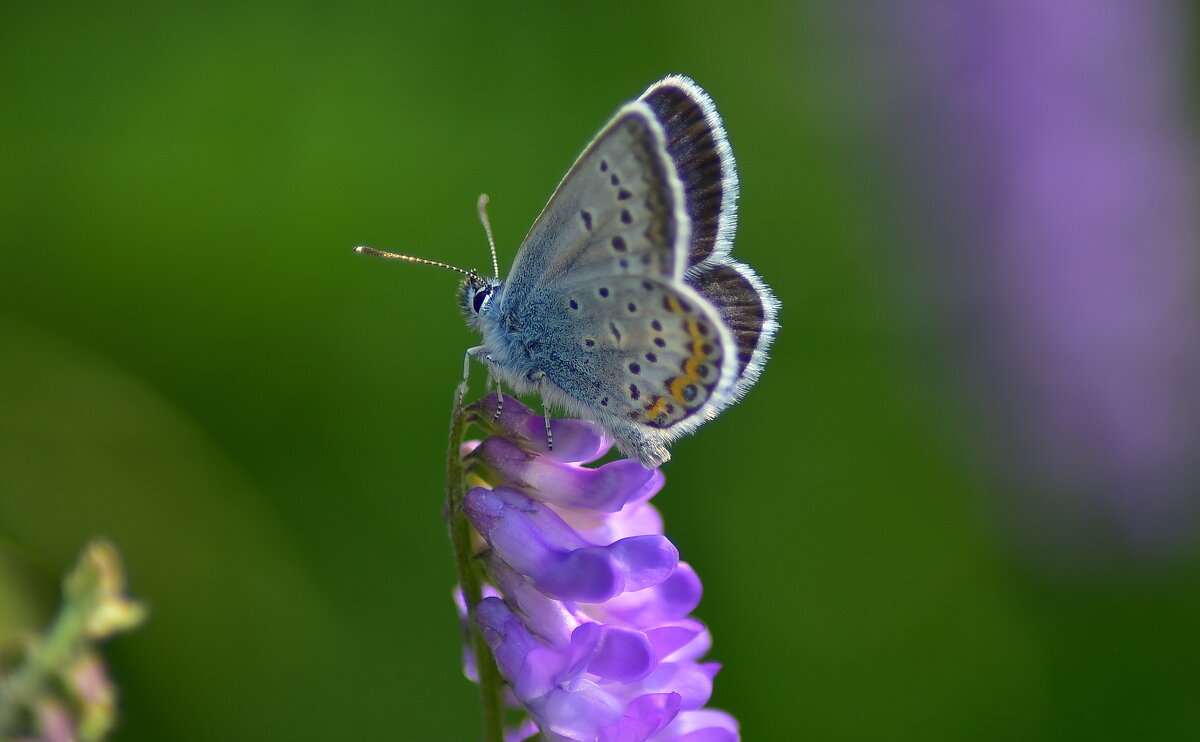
480,299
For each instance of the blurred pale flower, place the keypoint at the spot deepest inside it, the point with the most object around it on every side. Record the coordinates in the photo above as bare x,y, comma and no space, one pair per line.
55,687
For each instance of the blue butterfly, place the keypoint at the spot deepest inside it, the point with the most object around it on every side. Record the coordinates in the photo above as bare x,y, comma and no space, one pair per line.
623,304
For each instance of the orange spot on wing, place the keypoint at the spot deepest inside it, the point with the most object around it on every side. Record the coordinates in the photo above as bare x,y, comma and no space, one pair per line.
701,349
654,410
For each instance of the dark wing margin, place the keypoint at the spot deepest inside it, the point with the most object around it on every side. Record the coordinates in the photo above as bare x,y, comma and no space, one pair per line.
749,310
697,144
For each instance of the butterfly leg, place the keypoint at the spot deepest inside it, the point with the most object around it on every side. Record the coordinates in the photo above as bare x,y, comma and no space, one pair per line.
499,395
549,433
481,350
462,387
536,378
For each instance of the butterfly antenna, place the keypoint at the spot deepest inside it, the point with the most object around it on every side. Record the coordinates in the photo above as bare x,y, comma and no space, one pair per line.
364,250
487,227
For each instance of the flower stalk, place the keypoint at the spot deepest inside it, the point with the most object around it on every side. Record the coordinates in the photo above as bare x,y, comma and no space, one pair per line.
470,578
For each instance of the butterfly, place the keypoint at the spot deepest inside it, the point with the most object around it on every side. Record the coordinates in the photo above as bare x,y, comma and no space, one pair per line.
623,304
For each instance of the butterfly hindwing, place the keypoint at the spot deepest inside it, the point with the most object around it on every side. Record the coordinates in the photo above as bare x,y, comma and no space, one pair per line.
748,309
651,356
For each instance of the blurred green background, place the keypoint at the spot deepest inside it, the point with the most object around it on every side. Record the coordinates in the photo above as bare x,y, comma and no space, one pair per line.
194,364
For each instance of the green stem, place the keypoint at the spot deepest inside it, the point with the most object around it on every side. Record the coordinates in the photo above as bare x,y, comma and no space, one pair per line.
43,660
491,685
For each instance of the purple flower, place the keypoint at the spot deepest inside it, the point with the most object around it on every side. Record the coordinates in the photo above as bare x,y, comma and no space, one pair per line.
587,612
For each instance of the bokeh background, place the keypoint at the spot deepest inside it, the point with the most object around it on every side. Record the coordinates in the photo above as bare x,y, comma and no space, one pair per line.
959,505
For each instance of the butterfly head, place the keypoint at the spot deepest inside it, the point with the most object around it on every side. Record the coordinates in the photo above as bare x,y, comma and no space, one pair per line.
476,295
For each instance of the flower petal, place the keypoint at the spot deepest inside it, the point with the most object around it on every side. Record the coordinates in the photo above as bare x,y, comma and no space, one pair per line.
700,725
576,441
549,619
643,717
670,600
621,655
606,488
537,543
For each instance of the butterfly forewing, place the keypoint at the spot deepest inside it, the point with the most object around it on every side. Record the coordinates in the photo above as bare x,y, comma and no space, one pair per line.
619,210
